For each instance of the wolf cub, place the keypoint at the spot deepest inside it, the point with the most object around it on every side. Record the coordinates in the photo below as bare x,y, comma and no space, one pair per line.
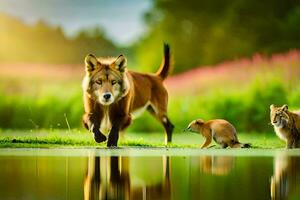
286,125
220,130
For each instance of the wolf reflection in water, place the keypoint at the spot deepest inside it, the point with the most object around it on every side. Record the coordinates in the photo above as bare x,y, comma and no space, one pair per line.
109,178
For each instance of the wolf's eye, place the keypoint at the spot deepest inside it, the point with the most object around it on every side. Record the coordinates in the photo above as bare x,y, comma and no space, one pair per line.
113,82
99,82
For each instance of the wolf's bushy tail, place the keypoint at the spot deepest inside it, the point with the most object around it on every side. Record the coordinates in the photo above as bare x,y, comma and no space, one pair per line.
165,67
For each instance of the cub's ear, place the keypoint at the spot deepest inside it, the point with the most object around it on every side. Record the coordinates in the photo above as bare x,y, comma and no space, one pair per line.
272,107
199,121
285,107
90,62
121,63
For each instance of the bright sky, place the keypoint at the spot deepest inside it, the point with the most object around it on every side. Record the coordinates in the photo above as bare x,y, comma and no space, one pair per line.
122,20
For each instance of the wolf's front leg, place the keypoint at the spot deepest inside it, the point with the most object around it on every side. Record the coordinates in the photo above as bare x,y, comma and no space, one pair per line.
113,136
98,136
90,122
119,123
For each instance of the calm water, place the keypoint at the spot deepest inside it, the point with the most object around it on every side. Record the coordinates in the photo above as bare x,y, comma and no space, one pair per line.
90,175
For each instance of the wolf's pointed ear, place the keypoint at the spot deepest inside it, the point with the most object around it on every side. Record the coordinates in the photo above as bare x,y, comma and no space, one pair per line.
285,107
90,62
272,106
121,63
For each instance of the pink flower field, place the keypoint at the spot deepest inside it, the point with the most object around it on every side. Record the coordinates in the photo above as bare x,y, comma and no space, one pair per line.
233,74
237,73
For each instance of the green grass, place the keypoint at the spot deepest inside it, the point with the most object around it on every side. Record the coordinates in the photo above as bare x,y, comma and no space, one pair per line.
84,139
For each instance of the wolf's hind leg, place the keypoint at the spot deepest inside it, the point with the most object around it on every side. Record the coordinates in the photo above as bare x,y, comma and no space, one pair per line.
162,117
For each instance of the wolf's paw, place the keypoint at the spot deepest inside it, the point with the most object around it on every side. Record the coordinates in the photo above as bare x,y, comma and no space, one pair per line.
112,147
99,138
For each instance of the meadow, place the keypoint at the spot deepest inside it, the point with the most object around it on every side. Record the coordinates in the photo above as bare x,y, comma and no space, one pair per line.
48,97
82,139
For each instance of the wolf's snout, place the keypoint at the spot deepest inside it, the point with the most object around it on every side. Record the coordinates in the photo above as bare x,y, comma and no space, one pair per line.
107,96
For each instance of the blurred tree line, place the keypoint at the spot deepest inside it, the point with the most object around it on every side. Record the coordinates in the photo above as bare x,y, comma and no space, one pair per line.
43,43
205,32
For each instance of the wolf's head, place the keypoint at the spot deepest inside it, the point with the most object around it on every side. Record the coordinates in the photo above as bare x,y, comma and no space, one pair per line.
105,80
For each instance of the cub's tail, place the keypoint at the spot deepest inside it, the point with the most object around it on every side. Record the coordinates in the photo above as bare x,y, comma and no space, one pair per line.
165,67
246,145
241,145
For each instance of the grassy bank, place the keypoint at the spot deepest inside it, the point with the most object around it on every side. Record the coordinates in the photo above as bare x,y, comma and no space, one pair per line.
83,139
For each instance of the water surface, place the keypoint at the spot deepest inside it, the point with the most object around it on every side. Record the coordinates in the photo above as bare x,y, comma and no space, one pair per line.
148,174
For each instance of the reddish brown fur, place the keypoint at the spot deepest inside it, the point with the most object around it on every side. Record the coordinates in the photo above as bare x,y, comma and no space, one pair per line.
220,130
134,91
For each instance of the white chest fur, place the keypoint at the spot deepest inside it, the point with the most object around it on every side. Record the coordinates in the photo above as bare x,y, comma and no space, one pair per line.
105,125
282,134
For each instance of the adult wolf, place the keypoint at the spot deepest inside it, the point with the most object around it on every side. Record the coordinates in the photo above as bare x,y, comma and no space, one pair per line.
112,94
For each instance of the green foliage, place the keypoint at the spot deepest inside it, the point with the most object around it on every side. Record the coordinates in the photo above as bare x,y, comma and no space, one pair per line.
45,44
41,111
210,31
248,110
294,99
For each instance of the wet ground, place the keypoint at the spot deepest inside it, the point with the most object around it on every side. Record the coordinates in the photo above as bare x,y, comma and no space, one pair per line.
149,173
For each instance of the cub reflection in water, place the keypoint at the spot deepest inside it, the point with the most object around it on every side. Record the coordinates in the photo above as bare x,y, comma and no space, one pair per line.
285,182
217,165
114,178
